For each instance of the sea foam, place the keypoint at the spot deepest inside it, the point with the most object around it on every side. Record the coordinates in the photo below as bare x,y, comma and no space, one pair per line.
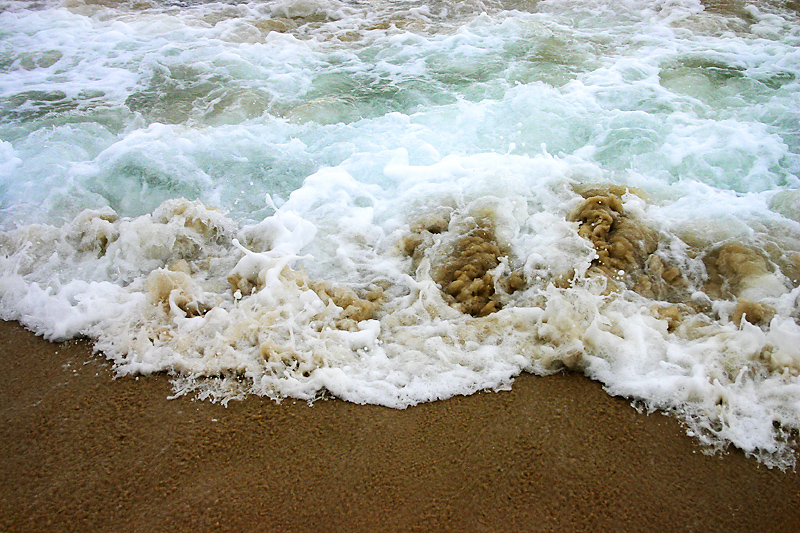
402,204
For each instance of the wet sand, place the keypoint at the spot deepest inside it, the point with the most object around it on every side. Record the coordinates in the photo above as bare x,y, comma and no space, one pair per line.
85,452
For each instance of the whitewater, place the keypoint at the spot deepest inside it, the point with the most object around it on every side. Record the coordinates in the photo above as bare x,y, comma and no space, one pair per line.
396,202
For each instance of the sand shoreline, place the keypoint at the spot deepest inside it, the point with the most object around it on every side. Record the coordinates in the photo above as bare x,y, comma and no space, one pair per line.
84,452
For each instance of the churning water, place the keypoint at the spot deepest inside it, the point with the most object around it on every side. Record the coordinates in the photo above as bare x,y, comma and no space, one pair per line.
395,202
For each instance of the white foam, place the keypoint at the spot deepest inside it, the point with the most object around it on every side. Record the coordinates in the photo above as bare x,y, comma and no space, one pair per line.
333,156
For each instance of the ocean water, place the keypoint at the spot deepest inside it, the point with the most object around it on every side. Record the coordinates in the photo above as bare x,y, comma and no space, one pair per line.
395,202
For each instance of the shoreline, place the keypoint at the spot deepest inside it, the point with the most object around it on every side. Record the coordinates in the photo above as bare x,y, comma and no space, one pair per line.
85,452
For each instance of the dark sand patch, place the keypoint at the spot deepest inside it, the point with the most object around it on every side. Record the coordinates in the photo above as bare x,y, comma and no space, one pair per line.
83,452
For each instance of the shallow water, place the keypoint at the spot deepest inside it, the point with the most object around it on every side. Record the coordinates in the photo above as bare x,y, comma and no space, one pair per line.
398,202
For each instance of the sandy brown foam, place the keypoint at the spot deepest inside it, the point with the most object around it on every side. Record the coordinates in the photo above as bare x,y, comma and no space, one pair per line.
627,255
464,266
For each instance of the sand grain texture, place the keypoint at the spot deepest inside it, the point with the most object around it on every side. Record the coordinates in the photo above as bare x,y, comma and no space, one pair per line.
84,452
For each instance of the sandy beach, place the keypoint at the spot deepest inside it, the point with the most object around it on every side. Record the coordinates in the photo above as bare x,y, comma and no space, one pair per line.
392,202
83,451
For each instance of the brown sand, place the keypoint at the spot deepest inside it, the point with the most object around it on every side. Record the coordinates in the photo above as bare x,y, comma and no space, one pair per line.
84,452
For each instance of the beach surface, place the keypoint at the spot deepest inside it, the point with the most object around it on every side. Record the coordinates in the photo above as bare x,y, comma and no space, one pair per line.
83,451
